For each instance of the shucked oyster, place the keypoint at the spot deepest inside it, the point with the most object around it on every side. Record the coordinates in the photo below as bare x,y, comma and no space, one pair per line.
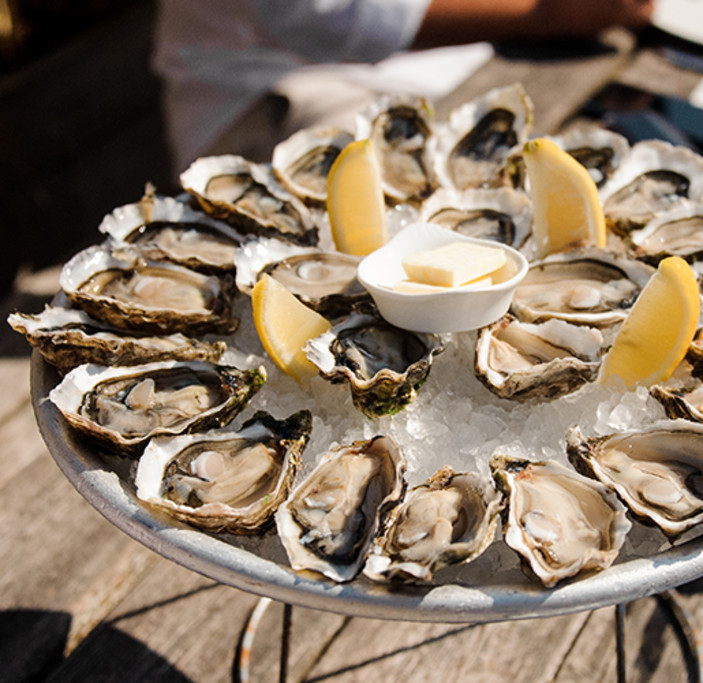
559,522
324,281
600,150
546,360
657,471
303,161
501,214
248,197
225,481
400,129
653,177
119,287
68,337
125,406
473,147
586,287
451,518
164,228
330,518
383,364
678,231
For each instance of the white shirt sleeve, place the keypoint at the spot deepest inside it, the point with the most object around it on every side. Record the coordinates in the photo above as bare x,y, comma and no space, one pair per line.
342,30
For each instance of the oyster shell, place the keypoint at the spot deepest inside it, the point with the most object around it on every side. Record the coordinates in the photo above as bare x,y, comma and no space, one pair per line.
383,364
598,149
500,214
256,252
400,129
560,522
68,337
225,481
165,228
472,148
248,197
585,286
330,518
653,177
677,232
121,288
303,161
123,407
536,361
451,518
324,281
657,471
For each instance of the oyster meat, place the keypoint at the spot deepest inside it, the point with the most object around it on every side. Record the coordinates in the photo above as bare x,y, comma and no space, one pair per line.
451,518
560,522
383,364
331,517
657,471
536,361
324,281
67,337
677,232
248,197
400,129
472,148
121,288
654,177
225,481
598,149
586,287
123,407
166,229
500,214
303,161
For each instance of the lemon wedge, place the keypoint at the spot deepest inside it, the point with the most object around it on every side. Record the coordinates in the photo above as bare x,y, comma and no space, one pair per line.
658,329
355,201
284,325
567,211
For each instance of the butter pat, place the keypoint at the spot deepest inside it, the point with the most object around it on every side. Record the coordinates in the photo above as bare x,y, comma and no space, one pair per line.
411,287
453,264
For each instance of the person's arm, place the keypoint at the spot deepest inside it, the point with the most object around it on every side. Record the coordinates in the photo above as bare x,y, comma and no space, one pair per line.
462,21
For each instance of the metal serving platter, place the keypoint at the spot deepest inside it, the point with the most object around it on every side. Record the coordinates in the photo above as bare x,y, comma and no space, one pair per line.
259,564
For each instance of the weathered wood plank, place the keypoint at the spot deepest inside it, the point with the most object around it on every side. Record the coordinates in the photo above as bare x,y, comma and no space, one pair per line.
420,652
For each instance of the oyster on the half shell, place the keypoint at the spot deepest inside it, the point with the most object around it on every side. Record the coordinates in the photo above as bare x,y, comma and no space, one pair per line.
383,364
67,337
657,471
123,407
559,522
400,128
330,518
163,228
119,287
585,286
449,519
500,214
472,148
654,177
247,196
536,361
302,162
222,480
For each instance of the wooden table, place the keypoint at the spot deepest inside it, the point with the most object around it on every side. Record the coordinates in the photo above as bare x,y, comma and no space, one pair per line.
82,601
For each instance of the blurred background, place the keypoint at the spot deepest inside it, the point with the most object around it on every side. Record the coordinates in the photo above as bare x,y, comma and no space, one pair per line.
80,124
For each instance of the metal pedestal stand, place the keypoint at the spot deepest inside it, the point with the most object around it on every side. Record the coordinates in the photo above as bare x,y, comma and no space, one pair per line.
686,633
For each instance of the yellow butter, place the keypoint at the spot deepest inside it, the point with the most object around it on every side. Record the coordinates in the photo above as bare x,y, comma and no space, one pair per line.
410,287
453,264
